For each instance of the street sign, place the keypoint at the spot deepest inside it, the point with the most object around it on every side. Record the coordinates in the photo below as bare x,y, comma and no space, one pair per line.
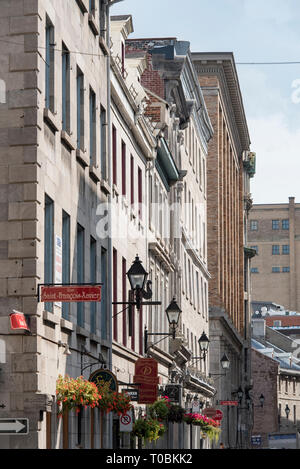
126,422
219,415
14,426
210,412
196,407
18,321
256,440
132,393
146,373
230,403
173,392
104,375
69,294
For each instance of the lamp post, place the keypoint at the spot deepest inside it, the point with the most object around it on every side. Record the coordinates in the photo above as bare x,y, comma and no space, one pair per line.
173,313
225,365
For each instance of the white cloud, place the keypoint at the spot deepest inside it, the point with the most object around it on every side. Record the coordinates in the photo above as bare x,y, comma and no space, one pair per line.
278,159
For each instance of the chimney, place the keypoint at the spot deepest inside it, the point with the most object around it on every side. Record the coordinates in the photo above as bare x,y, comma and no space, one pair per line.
258,328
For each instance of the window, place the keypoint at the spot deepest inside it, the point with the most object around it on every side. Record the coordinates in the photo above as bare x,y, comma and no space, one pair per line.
275,249
92,7
92,127
275,270
103,125
49,78
254,270
277,324
285,269
80,110
65,259
255,249
48,245
80,272
102,21
93,279
140,193
286,224
115,294
253,225
275,224
132,183
65,88
103,303
285,249
123,168
124,299
114,154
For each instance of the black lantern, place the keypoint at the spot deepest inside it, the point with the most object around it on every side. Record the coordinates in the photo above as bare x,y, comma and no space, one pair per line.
261,400
287,411
173,313
203,343
225,363
137,275
240,394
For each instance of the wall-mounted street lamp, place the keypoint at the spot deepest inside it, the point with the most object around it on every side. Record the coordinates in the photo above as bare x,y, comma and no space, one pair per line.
225,365
173,313
137,277
262,400
287,411
203,344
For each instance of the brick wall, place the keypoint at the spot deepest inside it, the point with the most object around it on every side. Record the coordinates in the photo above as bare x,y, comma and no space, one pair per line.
264,374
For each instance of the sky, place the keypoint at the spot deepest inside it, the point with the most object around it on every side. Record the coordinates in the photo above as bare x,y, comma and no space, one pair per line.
255,31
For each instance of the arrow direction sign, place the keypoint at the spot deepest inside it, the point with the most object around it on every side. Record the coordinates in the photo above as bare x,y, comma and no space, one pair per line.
14,427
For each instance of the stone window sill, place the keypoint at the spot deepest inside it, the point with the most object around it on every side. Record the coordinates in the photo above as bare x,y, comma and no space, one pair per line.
66,325
95,174
93,25
67,139
82,157
105,187
104,46
83,5
50,317
51,119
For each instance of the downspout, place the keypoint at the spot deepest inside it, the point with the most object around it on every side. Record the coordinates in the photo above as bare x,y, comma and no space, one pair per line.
109,198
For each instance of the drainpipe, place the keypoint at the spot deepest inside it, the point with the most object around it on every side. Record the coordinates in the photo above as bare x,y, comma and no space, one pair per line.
109,167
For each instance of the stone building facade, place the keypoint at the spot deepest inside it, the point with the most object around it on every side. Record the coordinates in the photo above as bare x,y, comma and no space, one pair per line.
273,232
54,174
229,170
276,376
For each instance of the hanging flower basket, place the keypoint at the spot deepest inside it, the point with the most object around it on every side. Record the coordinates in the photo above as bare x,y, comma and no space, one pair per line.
113,401
75,392
176,413
159,409
148,429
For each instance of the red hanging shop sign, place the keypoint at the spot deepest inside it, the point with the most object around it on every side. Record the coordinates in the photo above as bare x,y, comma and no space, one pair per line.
18,321
71,294
146,375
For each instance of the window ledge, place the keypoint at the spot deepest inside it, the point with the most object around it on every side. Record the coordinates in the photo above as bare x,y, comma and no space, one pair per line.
95,338
93,25
95,173
82,157
67,139
50,317
103,46
66,325
115,190
82,332
83,5
51,119
105,187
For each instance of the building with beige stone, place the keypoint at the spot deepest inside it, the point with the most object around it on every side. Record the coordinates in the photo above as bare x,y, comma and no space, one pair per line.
230,165
273,232
54,172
